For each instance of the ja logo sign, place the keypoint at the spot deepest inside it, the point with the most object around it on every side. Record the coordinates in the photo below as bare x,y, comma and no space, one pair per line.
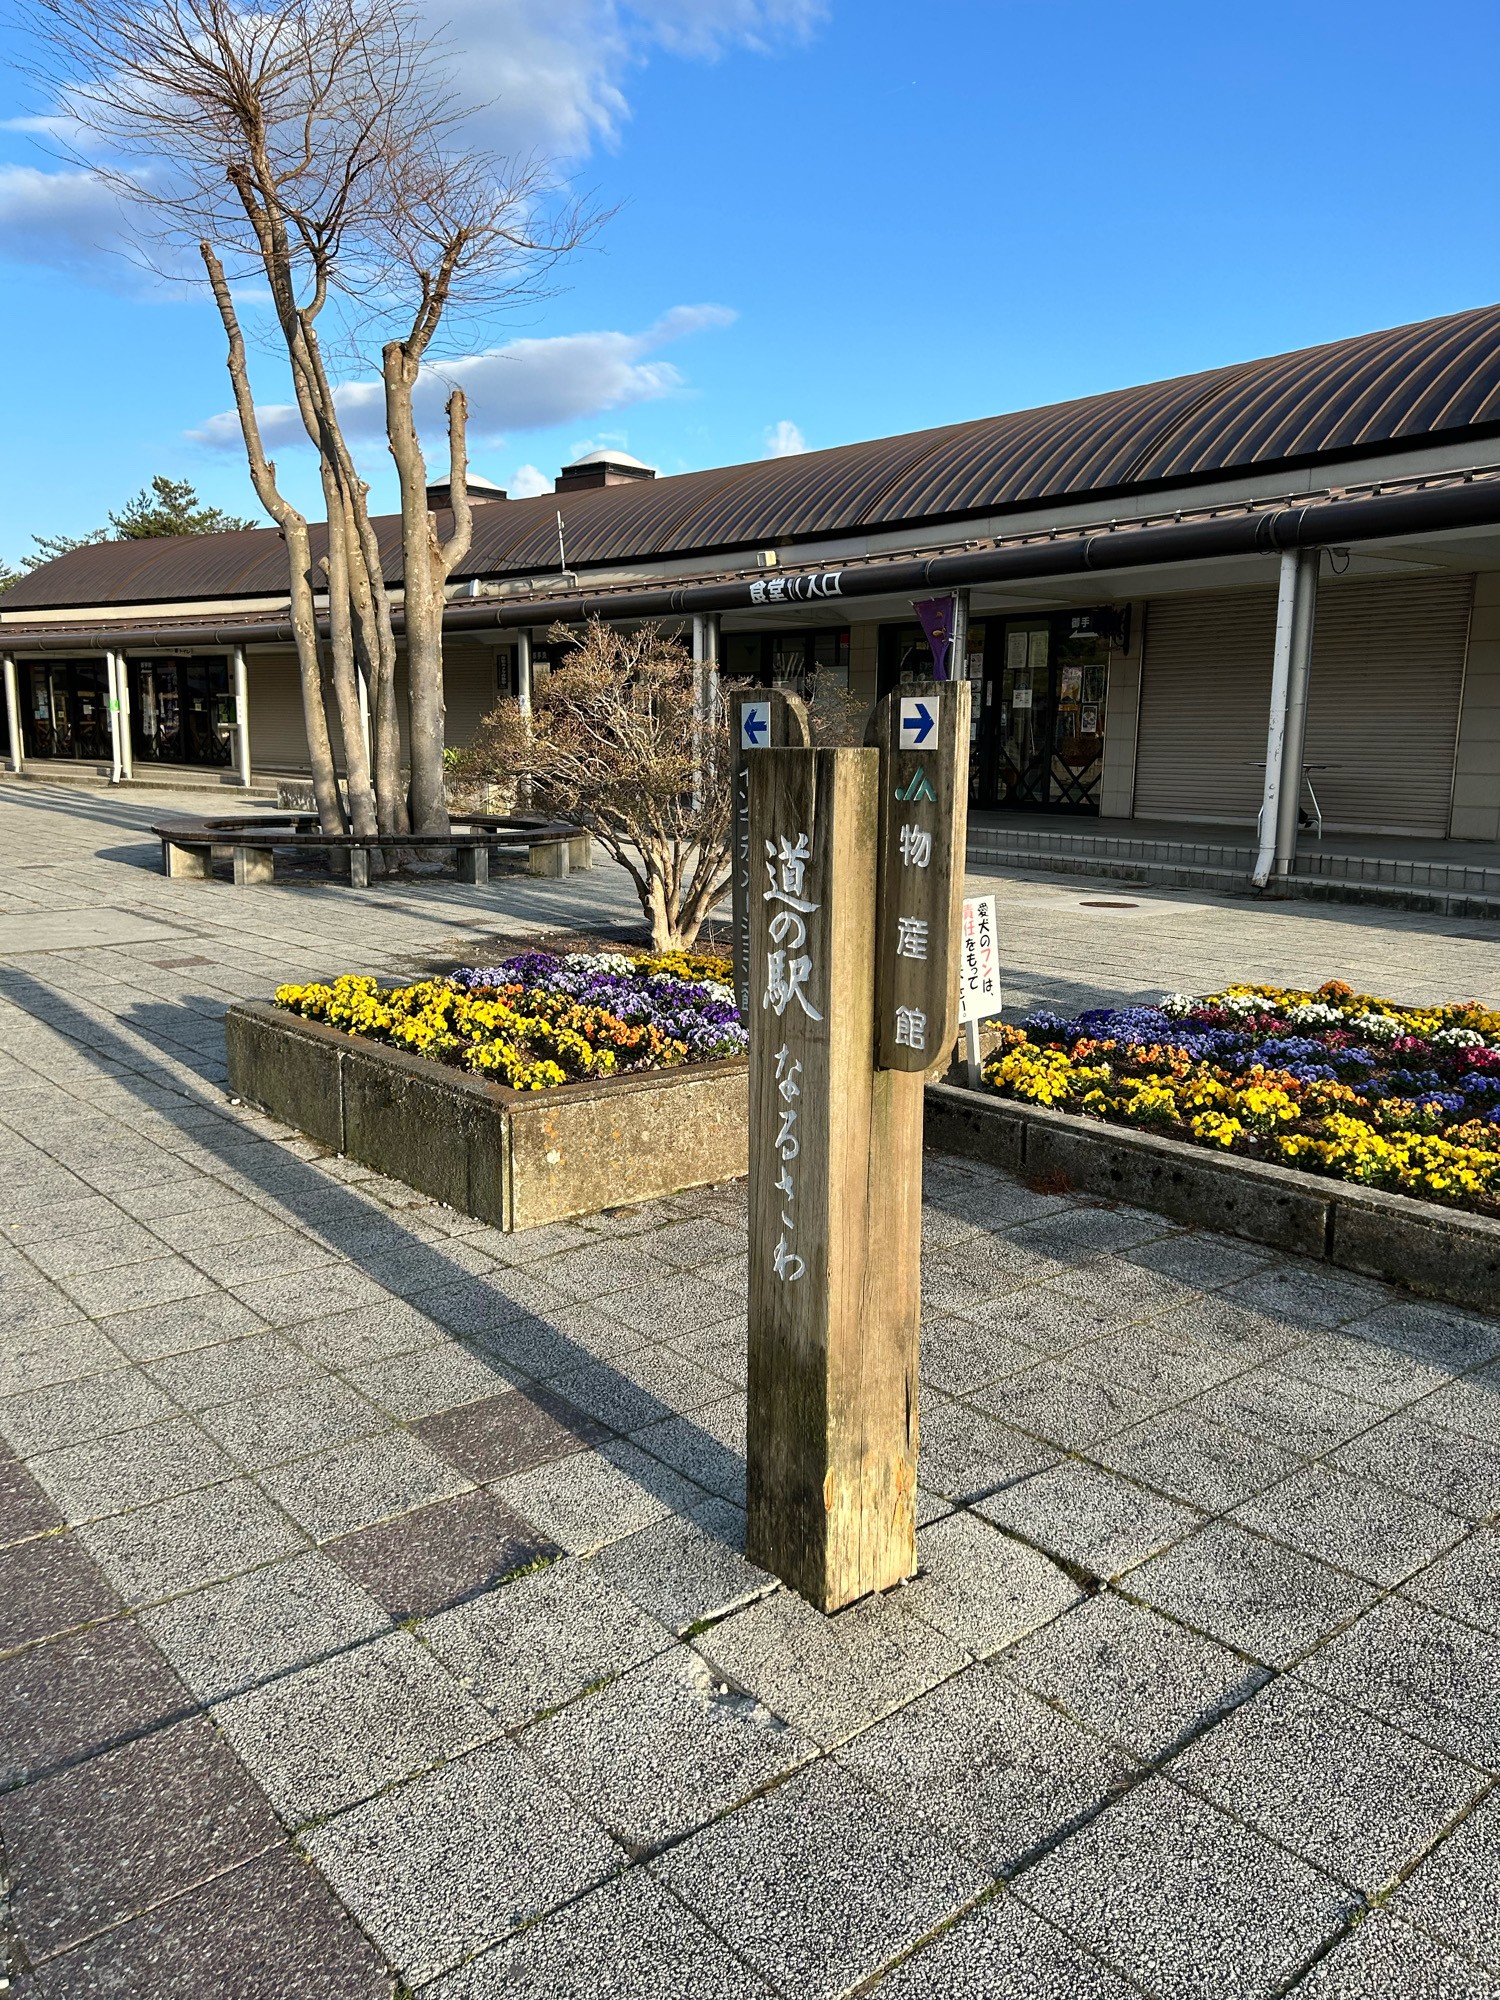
755,725
918,720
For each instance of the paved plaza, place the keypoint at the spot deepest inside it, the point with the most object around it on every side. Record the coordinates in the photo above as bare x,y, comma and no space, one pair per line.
373,1613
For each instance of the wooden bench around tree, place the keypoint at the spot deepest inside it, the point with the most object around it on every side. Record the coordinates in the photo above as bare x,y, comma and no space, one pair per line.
189,846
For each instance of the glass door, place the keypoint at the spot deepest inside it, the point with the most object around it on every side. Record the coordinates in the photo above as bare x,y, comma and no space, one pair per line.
1025,722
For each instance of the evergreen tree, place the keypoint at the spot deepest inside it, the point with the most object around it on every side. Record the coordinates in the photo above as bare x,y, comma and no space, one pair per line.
170,507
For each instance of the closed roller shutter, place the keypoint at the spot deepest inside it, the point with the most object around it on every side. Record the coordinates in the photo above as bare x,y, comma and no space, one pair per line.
1387,676
1205,692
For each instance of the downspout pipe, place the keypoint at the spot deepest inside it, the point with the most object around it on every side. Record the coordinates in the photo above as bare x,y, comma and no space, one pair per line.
1299,673
1281,664
1270,531
13,712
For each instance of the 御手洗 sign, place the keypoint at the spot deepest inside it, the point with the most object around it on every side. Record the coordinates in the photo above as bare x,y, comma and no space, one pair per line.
759,719
922,734
978,961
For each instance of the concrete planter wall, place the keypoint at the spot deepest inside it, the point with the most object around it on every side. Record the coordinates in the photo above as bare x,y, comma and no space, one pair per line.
1437,1251
514,1158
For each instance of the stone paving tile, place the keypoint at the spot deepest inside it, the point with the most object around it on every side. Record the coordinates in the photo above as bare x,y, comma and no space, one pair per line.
1184,1900
596,1267
316,1412
1424,1330
1103,1524
1343,1363
372,1330
1086,1227
1428,1461
94,1406
196,1945
1264,1600
235,1635
591,1498
1384,1958
70,1253
253,1365
1356,1798
640,1388
1264,1403
1234,1330
1042,1316
682,1572
1465,1583
982,1589
1452,1894
663,1748
542,1639
180,1326
630,1939
190,1540
1199,1260
102,1840
55,1346
672,1307
819,1883
1183,1454
306,1297
1132,1676
435,1557
1003,1948
82,1693
333,1734
510,1433
988,1766
708,1447
1428,1675
360,1483
1470,1404
24,1508
428,1382
1062,1404
964,1453
961,1355
1355,1524
49,1586
133,1286
89,1481
449,1863
1305,1296
830,1677
1150,1362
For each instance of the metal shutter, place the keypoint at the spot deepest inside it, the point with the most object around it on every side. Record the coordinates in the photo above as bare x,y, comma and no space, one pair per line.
1205,691
1382,705
1387,676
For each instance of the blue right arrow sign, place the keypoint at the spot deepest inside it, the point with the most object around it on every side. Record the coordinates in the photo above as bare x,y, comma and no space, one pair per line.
918,720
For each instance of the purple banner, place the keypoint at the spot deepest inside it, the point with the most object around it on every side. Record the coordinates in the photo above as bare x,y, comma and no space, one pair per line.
936,614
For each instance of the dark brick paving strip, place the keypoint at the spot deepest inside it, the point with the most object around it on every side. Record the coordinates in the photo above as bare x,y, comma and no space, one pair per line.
1203,1666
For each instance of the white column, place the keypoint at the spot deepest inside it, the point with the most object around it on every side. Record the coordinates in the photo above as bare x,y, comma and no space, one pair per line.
242,713
705,686
1299,669
112,683
523,670
1281,661
958,651
13,712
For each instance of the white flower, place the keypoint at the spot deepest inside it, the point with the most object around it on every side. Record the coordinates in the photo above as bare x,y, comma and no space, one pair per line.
1379,1027
1314,1012
1458,1038
1175,1004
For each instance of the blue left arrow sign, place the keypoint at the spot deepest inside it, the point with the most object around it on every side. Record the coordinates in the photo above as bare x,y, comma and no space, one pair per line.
755,724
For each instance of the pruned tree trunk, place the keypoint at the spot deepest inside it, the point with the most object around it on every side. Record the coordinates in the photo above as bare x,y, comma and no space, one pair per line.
293,526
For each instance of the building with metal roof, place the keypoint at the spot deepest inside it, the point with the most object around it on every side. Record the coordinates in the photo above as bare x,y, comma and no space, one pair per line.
1142,575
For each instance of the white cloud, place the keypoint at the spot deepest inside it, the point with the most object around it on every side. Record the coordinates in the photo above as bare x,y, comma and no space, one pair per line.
528,384
784,440
547,77
527,482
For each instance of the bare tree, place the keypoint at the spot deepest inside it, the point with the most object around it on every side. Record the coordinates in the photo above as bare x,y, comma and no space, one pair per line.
312,147
616,741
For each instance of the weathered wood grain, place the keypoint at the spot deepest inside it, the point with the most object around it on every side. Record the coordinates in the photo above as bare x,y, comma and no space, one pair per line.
788,725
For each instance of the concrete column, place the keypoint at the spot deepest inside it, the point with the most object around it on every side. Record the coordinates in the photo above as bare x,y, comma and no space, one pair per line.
958,649
13,712
523,670
1299,668
112,684
241,713
1281,660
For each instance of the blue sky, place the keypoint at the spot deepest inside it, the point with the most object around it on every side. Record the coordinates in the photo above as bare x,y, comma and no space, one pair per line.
837,221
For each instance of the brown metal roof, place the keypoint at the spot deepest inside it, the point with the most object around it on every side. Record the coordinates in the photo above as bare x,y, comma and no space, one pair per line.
1436,379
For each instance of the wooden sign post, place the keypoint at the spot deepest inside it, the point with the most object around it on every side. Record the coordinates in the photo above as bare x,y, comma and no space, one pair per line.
836,1140
759,719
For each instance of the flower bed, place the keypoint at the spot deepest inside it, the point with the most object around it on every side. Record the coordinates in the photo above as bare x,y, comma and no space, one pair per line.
1333,1082
536,1021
